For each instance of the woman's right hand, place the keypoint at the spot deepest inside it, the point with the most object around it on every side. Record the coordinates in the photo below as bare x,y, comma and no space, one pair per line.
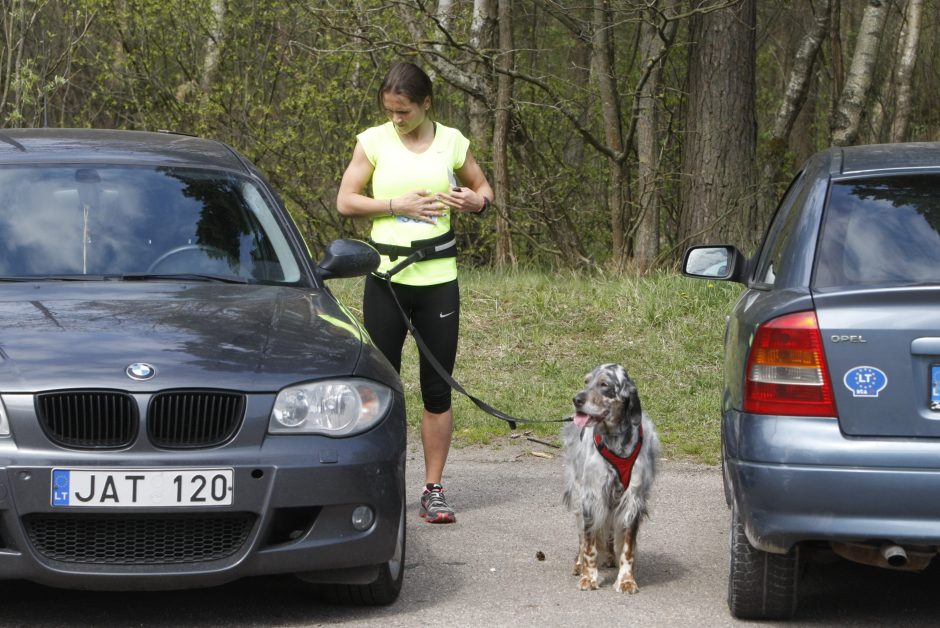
420,205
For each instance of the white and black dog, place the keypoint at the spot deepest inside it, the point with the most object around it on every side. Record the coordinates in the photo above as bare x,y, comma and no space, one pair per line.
610,455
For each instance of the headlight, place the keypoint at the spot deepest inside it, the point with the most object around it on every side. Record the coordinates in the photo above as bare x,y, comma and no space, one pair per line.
334,408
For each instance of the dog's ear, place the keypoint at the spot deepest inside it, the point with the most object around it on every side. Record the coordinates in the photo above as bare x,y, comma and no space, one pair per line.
630,397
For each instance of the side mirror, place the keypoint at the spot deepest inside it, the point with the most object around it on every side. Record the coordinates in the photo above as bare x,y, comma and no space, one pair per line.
348,258
721,263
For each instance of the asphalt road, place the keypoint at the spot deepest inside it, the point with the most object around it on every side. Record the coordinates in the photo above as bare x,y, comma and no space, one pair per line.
484,570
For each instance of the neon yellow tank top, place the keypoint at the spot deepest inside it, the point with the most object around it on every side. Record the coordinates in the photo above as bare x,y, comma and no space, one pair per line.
399,171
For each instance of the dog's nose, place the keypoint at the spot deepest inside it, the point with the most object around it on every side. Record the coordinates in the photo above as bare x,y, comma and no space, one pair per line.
579,400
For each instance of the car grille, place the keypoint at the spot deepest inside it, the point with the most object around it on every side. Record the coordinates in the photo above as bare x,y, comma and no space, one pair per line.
88,419
191,419
136,539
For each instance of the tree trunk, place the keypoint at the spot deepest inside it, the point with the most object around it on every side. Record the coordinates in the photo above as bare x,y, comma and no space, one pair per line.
505,61
214,41
908,57
848,113
7,18
483,35
19,47
874,131
463,77
646,240
795,96
803,141
210,62
579,75
838,57
602,61
717,186
445,13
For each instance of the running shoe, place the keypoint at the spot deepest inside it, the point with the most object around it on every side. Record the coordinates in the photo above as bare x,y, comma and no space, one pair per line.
434,508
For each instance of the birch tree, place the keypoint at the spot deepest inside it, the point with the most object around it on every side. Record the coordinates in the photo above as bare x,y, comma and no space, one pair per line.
794,97
902,114
483,36
881,106
848,112
213,43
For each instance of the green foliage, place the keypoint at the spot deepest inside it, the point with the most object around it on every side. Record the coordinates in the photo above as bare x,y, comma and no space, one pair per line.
290,83
528,339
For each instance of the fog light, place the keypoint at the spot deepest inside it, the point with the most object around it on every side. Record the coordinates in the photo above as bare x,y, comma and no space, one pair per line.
362,518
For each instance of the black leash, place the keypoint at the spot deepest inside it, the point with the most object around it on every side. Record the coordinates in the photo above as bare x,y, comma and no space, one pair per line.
417,256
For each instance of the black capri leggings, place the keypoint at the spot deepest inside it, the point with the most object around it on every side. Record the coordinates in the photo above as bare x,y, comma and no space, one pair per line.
435,313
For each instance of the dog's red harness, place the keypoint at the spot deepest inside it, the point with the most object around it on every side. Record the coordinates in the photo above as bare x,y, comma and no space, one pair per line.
623,466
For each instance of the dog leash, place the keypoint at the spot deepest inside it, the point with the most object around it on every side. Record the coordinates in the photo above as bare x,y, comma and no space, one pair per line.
417,256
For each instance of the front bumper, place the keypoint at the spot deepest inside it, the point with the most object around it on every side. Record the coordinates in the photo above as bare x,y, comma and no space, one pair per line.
294,494
800,479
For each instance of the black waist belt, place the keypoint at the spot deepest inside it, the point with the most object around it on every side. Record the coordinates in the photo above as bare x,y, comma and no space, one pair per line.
444,245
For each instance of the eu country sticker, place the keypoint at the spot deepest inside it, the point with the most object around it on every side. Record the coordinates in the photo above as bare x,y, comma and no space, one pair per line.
60,487
865,381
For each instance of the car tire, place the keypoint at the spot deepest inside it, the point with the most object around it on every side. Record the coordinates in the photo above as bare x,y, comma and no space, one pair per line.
761,585
383,591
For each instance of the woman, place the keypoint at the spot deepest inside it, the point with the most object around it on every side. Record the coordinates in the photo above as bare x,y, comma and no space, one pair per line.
421,173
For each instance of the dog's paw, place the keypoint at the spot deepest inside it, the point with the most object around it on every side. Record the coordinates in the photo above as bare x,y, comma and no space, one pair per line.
587,584
578,567
627,585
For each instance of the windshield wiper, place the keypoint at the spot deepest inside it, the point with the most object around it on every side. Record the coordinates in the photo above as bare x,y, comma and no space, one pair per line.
183,277
28,278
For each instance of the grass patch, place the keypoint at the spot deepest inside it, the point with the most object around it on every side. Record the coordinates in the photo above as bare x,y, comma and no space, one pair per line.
527,340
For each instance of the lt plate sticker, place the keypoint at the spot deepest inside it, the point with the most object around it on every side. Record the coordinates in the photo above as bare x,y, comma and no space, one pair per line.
935,387
865,381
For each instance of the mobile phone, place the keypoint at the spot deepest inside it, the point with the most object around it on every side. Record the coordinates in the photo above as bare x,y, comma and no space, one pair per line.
456,188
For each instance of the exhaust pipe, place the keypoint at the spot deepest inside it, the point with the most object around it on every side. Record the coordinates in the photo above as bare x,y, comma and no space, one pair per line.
894,555
886,555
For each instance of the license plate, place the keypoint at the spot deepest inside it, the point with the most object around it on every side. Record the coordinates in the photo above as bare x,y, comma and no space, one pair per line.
935,386
142,488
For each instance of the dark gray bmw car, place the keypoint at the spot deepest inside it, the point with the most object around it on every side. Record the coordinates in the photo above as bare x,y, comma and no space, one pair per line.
831,404
182,401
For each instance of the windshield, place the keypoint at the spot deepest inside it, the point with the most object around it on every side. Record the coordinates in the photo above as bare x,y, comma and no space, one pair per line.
881,232
105,221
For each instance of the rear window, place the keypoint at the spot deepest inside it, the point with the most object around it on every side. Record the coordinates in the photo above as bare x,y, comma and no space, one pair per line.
881,232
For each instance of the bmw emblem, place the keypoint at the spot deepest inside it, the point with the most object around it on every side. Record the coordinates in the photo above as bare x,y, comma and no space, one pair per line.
140,371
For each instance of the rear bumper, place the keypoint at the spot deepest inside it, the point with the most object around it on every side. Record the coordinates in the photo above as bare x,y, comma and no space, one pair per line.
296,492
800,479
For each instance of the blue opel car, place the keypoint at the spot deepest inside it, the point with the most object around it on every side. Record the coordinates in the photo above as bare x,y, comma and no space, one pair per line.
830,424
183,402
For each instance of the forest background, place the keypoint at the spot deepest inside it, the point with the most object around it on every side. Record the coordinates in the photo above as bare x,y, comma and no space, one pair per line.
615,132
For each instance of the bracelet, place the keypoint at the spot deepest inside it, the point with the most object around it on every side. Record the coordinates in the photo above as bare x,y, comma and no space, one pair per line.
486,206
390,212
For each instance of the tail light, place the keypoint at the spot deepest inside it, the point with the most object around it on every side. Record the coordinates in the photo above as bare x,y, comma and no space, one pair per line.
786,369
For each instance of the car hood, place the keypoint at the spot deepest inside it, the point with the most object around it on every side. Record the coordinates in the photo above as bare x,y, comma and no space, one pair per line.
57,335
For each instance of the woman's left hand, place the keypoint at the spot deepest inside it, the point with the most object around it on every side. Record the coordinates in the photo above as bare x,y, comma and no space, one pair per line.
462,200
